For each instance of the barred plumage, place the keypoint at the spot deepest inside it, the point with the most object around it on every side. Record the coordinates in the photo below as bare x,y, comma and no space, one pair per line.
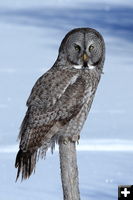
61,99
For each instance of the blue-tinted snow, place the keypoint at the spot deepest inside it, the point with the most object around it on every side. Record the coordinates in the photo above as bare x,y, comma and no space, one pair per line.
30,34
100,173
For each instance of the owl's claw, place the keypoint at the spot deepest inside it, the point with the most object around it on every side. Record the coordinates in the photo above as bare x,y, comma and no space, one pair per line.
67,139
75,138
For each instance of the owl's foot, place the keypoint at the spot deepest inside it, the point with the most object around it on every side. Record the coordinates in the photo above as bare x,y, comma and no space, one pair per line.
75,138
67,139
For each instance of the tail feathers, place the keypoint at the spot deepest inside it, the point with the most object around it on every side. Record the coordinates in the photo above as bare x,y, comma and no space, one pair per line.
25,162
53,142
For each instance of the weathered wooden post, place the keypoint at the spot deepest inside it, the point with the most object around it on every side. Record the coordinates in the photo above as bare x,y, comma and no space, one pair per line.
69,170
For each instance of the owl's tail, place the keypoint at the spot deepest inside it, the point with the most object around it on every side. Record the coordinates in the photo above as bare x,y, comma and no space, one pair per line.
25,162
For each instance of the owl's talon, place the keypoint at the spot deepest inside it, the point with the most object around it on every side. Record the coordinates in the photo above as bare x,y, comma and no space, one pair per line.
66,140
75,138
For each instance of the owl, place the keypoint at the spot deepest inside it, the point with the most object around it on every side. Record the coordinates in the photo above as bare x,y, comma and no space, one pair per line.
61,98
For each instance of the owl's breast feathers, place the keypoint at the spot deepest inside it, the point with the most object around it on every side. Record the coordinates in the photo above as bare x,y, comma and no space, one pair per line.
57,97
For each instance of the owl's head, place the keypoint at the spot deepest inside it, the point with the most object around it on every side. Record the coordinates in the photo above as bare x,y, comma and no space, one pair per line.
83,48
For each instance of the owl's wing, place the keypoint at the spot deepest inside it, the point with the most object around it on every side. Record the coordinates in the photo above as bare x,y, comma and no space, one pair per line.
56,97
53,102
50,87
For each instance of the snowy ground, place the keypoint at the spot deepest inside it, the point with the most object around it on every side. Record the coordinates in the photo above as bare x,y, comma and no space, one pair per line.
100,173
30,34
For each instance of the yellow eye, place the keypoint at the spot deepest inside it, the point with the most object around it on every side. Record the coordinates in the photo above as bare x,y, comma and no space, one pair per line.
91,47
77,47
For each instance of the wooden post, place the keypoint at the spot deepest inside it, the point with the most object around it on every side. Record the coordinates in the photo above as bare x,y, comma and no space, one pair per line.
69,170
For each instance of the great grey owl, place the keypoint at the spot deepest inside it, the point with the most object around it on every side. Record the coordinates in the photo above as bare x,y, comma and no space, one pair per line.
61,98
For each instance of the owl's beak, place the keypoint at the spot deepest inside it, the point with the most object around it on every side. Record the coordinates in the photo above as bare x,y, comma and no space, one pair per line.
85,57
85,60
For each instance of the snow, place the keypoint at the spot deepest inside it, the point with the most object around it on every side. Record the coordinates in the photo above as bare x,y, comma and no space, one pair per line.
100,173
30,35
